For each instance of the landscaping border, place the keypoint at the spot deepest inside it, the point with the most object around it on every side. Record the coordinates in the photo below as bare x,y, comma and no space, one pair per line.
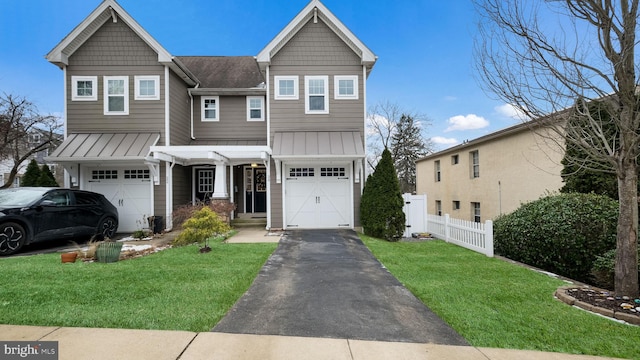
561,294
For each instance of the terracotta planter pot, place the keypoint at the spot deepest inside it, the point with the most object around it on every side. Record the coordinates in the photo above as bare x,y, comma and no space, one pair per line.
69,257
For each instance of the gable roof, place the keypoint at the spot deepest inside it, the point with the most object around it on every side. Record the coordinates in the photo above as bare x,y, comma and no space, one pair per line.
226,72
111,10
315,9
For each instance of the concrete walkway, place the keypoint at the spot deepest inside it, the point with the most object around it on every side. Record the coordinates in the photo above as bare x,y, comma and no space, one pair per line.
109,344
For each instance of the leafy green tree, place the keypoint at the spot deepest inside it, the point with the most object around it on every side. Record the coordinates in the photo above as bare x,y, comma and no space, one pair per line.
46,177
407,145
31,175
381,206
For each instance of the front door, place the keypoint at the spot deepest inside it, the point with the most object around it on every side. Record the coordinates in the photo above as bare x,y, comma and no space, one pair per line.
255,187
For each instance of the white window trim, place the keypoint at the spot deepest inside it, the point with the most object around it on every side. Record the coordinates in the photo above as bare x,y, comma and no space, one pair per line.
106,95
276,92
336,87
249,98
217,99
74,86
156,79
307,79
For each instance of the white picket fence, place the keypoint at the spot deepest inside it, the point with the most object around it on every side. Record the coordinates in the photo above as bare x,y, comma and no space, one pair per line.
471,235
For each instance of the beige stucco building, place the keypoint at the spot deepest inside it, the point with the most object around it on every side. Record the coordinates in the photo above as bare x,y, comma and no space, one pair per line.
492,175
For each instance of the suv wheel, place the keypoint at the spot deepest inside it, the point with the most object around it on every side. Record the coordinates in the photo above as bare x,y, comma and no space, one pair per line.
12,238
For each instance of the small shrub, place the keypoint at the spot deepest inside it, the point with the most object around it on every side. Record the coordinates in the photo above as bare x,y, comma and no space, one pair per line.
603,270
204,223
559,233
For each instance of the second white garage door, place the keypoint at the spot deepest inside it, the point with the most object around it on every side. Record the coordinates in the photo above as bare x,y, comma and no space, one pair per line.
318,197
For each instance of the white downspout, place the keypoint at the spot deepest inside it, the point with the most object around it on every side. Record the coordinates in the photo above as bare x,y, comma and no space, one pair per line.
191,110
268,159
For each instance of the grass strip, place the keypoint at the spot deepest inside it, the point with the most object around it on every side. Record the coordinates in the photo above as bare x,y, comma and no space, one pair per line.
493,303
175,289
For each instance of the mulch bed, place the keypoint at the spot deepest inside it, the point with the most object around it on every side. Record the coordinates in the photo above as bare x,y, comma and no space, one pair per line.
602,302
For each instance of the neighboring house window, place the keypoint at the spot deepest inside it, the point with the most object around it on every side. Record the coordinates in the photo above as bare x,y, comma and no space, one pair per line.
116,95
438,207
84,88
211,108
456,204
474,158
316,94
475,208
147,87
436,165
346,87
455,159
255,108
286,87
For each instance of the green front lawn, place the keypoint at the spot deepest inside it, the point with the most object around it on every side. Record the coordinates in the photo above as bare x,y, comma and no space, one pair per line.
175,289
492,303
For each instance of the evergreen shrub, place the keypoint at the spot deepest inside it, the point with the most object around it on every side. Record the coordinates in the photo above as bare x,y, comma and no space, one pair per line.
561,233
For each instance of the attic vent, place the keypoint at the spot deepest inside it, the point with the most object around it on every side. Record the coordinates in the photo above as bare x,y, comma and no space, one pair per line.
315,15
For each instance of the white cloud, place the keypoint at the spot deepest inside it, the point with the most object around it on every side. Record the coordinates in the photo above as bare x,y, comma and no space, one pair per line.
468,122
510,111
443,140
450,98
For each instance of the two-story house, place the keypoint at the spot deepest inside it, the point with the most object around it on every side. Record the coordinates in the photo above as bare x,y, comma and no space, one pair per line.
280,134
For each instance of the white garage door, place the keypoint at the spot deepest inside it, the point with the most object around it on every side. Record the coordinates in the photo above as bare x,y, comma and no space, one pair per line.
129,190
318,197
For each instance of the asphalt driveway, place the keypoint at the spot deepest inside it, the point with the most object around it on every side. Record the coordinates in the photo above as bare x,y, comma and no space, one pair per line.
326,283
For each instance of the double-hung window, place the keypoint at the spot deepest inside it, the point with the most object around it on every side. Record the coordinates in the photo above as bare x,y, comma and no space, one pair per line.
316,94
475,211
116,95
210,108
84,88
255,108
345,87
286,87
474,158
436,168
147,87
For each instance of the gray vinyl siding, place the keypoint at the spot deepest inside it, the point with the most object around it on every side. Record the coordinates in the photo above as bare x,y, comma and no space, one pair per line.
276,199
181,186
233,124
316,50
115,50
180,116
159,195
357,197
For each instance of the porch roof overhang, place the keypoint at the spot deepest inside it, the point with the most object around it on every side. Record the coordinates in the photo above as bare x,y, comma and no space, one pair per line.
95,147
318,145
207,154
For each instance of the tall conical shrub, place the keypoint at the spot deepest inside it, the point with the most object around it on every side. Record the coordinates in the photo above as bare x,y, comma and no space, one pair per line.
31,175
381,206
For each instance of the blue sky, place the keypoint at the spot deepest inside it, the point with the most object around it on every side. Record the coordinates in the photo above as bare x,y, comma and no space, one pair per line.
425,49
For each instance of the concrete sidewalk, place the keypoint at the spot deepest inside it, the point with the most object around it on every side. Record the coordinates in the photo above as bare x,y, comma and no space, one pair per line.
109,344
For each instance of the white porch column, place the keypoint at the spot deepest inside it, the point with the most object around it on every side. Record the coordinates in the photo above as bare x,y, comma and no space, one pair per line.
220,182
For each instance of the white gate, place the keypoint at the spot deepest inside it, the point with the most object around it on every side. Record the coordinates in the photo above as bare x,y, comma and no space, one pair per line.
415,212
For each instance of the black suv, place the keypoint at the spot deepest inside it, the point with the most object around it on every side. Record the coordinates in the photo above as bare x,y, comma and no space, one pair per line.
34,214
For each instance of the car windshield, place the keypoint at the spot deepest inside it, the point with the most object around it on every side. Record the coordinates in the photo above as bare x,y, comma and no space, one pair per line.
20,196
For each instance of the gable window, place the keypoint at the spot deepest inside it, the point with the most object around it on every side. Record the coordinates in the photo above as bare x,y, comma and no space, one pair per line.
255,108
116,95
147,87
316,94
436,166
210,108
286,87
474,158
345,87
84,88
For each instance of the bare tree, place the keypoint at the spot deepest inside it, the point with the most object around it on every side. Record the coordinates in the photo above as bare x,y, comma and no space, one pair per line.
383,120
556,58
23,132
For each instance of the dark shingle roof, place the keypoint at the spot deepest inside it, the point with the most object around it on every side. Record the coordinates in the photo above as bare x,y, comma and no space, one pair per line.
225,72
